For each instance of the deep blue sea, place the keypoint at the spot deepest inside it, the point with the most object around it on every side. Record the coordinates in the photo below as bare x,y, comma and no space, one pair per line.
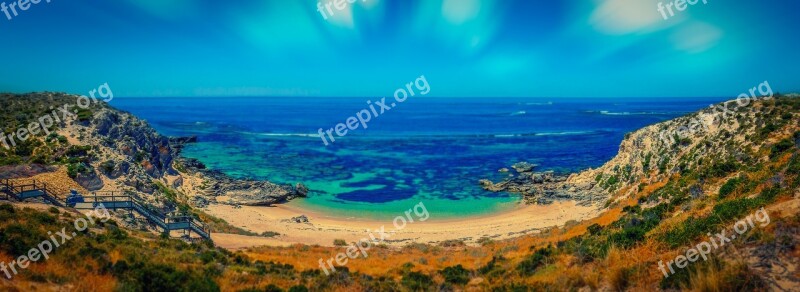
424,150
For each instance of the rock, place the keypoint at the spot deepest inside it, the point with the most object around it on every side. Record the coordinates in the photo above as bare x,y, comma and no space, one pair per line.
299,219
141,184
177,182
200,202
521,167
537,178
548,176
301,190
696,191
503,170
252,192
120,169
89,180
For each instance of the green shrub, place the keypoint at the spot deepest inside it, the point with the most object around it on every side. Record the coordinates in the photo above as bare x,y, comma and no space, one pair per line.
721,169
529,265
491,265
455,275
594,229
298,288
780,147
729,187
722,213
84,115
339,242
272,268
416,281
107,166
270,234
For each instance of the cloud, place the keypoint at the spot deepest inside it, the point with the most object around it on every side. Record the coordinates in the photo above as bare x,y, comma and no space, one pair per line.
619,17
462,26
696,37
278,27
460,11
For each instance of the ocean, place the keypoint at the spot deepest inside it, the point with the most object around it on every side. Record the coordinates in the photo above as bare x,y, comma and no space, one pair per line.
430,150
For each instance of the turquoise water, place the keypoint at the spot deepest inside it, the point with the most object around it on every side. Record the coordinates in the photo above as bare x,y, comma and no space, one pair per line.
432,151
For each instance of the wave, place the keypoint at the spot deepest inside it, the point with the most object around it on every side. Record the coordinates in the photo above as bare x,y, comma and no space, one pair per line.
314,135
519,113
432,136
610,113
566,133
539,103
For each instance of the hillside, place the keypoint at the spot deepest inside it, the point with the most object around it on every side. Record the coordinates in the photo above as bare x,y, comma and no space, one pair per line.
102,149
671,186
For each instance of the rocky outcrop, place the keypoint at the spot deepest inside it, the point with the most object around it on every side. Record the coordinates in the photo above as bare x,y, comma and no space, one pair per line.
241,191
708,138
545,187
148,157
89,180
136,139
251,192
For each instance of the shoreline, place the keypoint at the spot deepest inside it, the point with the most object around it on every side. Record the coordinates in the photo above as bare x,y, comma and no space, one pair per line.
323,229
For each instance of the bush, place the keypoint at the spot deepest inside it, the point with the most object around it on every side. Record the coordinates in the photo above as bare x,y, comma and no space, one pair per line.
538,259
729,187
298,288
162,277
107,167
417,281
270,234
339,242
491,265
455,275
692,228
780,147
636,226
594,229
794,165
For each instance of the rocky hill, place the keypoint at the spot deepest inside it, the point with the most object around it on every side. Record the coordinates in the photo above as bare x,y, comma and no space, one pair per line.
712,142
105,149
674,188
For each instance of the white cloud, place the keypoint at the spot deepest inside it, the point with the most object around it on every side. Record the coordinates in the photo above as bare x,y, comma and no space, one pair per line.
618,17
460,11
696,37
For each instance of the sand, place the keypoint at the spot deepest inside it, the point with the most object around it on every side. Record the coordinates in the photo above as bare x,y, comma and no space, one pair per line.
323,229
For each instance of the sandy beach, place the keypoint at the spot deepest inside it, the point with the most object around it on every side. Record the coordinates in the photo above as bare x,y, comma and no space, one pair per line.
322,229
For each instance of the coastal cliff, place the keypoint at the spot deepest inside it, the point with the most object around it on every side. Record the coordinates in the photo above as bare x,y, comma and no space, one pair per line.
673,186
713,140
105,149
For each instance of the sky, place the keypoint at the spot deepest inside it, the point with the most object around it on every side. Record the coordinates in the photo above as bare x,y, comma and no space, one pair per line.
465,48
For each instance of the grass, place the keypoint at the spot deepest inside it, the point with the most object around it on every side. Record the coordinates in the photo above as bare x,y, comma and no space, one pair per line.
619,249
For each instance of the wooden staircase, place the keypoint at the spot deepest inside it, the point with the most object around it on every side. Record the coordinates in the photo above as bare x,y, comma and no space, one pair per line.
111,201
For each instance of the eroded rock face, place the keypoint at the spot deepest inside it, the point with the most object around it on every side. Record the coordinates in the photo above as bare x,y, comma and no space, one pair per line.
138,140
547,187
252,192
177,182
246,192
89,180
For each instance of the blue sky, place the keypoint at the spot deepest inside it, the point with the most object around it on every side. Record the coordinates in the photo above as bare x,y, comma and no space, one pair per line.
475,48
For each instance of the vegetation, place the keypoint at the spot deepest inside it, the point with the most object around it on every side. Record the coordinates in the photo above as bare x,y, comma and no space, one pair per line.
700,187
